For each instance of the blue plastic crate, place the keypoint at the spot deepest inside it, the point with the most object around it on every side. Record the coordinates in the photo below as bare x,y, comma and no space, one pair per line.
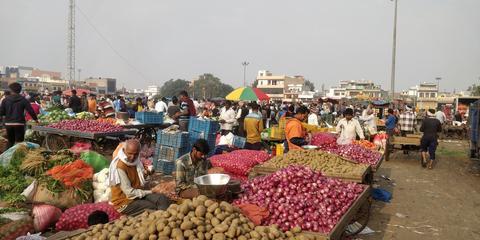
164,166
149,117
170,153
210,138
239,142
178,140
203,125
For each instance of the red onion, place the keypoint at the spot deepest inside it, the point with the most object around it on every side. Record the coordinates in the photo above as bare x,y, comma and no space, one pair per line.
86,126
315,208
239,162
358,153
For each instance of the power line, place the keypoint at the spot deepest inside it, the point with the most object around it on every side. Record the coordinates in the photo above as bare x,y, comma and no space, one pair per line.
110,45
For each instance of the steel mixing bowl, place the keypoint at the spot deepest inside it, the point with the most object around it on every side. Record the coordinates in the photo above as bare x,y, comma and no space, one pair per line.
212,185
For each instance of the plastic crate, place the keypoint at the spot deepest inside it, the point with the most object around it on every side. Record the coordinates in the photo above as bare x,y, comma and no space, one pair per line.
203,125
239,142
170,153
166,167
149,117
178,140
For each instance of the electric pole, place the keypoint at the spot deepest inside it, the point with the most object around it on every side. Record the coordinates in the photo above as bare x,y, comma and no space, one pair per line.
245,64
71,44
394,51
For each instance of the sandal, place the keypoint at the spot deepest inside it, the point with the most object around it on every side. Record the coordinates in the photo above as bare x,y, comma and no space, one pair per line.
430,164
424,161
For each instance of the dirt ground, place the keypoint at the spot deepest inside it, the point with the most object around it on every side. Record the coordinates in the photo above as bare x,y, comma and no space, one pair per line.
443,203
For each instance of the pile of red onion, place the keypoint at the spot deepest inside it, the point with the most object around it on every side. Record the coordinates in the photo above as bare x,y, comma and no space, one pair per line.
83,125
299,196
358,153
325,141
239,162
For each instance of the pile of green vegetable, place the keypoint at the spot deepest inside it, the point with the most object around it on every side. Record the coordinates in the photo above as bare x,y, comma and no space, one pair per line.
85,115
54,116
26,165
327,163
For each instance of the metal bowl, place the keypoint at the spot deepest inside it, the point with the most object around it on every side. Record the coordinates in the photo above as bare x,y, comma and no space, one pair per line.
212,185
310,147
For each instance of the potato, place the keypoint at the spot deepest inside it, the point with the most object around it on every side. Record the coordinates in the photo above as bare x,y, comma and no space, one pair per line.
208,236
221,228
176,232
221,216
218,236
163,238
166,231
208,215
202,198
289,234
188,233
255,235
197,221
201,229
143,236
200,211
217,211
152,229
172,211
111,238
124,236
180,216
172,224
200,236
242,238
191,214
208,228
187,225
271,236
212,207
296,229
232,231
152,237
215,221
208,203
160,226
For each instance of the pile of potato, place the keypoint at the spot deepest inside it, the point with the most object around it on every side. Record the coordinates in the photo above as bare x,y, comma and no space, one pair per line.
327,163
200,218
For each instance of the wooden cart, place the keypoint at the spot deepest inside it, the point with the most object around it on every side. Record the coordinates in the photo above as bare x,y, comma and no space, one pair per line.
366,177
359,212
58,139
413,141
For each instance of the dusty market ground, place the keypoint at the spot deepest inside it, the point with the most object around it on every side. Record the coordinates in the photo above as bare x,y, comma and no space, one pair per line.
443,203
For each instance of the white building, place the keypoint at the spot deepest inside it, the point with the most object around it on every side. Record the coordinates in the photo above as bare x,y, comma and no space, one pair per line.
356,88
152,91
280,87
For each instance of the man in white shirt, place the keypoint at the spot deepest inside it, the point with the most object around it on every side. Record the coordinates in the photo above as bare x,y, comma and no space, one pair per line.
227,118
440,115
161,106
349,128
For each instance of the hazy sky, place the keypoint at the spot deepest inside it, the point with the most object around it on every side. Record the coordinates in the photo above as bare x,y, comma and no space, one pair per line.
323,40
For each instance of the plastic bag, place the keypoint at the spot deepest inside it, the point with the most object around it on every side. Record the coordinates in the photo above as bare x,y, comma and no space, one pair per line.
6,156
29,236
77,217
44,216
97,161
381,195
80,147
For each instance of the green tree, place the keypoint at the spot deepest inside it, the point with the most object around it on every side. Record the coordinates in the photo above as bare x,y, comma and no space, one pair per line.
309,86
173,87
208,86
474,90
255,83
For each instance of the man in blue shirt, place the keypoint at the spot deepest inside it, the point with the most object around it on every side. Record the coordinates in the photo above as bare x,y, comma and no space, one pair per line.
390,124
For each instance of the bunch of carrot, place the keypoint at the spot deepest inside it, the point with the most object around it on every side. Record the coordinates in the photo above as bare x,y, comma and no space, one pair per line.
72,174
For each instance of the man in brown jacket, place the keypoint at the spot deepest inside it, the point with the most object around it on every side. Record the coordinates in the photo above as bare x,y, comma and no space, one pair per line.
126,178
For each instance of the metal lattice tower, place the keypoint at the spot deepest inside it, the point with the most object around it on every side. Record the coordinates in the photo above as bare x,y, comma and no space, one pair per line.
71,43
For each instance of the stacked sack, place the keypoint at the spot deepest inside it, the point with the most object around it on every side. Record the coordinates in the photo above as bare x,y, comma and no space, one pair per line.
101,191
